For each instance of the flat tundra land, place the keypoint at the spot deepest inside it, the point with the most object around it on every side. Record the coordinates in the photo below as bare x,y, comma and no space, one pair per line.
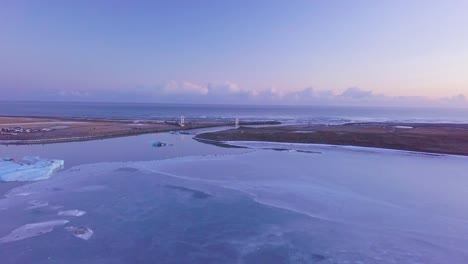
432,138
36,130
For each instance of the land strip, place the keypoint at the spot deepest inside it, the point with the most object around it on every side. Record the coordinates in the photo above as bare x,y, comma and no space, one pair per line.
44,130
432,138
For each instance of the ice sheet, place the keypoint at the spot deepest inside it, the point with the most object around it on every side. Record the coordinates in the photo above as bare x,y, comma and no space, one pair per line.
388,197
142,217
327,204
30,169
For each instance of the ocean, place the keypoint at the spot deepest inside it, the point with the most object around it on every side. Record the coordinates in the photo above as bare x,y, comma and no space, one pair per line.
312,114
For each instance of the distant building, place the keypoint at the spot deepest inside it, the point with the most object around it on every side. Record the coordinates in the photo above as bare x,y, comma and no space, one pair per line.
182,121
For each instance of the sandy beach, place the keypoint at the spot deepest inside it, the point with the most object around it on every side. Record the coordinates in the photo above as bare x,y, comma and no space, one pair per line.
43,130
432,138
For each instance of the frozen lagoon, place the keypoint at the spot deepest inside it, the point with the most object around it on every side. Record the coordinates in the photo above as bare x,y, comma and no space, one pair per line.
323,205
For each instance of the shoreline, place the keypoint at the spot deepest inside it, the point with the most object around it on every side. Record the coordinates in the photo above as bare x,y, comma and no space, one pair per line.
434,138
438,138
48,130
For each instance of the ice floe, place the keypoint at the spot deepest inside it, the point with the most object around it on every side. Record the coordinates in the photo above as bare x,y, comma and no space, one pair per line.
158,144
29,169
31,230
74,212
180,133
82,232
23,194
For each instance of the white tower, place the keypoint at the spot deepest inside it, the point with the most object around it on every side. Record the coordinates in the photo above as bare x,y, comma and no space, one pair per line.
182,121
237,123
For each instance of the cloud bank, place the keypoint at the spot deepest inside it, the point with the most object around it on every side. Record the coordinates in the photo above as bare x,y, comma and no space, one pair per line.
231,93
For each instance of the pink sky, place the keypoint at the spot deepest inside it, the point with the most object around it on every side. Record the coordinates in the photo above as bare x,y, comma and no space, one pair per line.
215,51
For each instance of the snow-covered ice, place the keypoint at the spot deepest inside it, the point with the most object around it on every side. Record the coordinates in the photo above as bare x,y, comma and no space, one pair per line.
29,169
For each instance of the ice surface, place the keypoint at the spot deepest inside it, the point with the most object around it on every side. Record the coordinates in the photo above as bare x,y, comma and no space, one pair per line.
30,169
397,202
314,204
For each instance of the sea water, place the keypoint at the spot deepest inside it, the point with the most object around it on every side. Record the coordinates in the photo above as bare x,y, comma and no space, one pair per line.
309,114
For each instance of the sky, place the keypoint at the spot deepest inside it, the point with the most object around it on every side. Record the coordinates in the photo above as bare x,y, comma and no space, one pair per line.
360,52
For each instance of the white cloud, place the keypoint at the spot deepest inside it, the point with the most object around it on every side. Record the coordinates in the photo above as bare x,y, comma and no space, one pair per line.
356,93
174,87
231,93
226,87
